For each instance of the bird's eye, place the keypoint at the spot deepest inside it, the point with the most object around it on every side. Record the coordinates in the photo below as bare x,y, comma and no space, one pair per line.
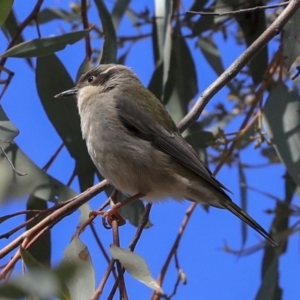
90,79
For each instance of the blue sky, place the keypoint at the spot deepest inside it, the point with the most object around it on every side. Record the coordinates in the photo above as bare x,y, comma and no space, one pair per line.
211,273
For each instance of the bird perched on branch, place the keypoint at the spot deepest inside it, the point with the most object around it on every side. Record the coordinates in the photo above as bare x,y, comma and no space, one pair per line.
137,147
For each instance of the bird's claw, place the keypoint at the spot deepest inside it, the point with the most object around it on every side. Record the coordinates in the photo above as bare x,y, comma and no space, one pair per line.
110,215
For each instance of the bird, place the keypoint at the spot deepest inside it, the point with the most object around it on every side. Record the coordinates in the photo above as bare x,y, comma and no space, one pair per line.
137,147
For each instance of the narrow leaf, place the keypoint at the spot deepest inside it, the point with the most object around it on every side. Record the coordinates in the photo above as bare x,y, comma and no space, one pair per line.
119,11
6,6
41,249
136,266
282,122
53,13
82,284
109,50
267,288
162,36
45,46
291,41
8,131
51,79
36,181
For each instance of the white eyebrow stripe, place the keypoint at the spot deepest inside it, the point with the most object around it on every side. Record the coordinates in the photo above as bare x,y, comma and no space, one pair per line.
107,70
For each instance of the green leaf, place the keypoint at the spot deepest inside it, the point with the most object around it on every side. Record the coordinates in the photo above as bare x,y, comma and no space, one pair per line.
82,283
39,284
155,85
110,47
45,46
253,24
10,290
84,67
51,79
282,122
200,139
30,262
41,249
136,266
182,83
52,13
161,35
291,42
8,131
119,11
213,57
36,181
6,6
10,28
133,212
270,280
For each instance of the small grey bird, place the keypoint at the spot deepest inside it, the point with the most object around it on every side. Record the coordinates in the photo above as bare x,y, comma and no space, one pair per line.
137,147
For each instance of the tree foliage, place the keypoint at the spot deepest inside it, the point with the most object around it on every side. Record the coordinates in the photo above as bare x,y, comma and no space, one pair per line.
261,104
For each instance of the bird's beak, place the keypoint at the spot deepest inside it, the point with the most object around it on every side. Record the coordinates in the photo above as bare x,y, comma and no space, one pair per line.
70,92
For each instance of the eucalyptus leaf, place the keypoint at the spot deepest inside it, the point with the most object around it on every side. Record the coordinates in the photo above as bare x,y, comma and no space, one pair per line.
85,66
82,283
136,266
118,11
40,251
45,46
109,49
53,13
51,79
182,83
282,122
200,139
6,6
253,24
8,131
36,182
133,212
213,57
268,286
41,284
10,28
162,36
291,39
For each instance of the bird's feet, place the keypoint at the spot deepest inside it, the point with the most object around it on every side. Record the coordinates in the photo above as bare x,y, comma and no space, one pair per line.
110,215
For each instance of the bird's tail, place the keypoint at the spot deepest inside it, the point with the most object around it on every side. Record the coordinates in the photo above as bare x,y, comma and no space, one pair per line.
231,206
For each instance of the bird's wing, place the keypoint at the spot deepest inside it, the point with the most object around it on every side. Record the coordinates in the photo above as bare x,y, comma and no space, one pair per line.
137,121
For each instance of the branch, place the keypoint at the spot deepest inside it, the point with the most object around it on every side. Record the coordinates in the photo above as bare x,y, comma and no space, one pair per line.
85,22
21,27
70,206
235,12
239,64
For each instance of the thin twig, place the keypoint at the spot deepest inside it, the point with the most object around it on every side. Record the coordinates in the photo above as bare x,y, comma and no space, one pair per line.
259,95
143,223
21,27
100,288
135,239
239,64
116,241
51,220
11,164
88,48
174,248
53,157
240,11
